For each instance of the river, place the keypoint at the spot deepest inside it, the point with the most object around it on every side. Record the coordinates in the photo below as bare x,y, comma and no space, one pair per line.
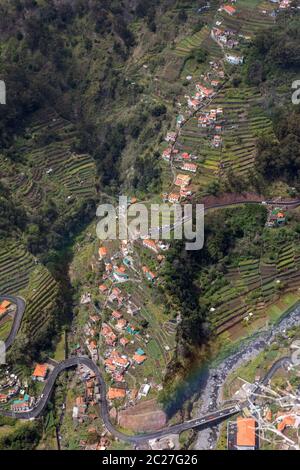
211,389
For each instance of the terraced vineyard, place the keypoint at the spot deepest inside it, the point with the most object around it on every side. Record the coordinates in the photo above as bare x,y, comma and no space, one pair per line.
20,274
243,121
41,303
16,264
50,166
250,17
253,285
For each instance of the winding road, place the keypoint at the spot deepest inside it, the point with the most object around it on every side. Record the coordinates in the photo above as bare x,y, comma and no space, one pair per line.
211,417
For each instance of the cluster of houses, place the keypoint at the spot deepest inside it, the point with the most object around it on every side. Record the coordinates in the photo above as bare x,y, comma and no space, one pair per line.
185,161
119,333
10,386
14,394
90,396
282,4
276,217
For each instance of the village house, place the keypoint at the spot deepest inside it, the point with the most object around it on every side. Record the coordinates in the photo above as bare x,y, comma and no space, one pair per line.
234,59
117,315
4,307
284,4
166,155
124,341
149,274
103,288
185,192
132,309
102,252
40,372
204,91
108,268
193,103
189,167
107,332
22,404
228,9
182,180
92,347
121,324
287,421
246,434
116,393
171,136
19,406
217,141
120,361
180,120
144,390
174,198
3,398
139,359
185,156
116,295
151,245
215,83
120,274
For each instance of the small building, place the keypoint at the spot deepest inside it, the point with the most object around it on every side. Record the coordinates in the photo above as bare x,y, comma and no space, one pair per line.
182,180
4,306
3,398
102,252
103,288
40,372
116,393
139,359
246,434
124,341
174,198
117,315
151,245
121,324
189,167
234,59
229,9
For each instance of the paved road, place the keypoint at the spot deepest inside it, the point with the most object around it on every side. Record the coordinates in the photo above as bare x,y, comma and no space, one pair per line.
291,204
202,421
21,305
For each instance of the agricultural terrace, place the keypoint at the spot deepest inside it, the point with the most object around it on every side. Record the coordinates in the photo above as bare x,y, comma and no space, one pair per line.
242,121
49,165
252,285
21,274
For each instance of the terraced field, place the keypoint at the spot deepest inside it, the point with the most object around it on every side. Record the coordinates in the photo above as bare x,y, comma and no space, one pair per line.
50,166
243,121
253,285
16,265
20,274
249,18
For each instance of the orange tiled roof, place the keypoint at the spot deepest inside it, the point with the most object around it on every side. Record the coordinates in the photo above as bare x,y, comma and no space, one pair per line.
5,304
245,432
229,9
139,359
102,251
287,421
114,393
40,370
103,288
